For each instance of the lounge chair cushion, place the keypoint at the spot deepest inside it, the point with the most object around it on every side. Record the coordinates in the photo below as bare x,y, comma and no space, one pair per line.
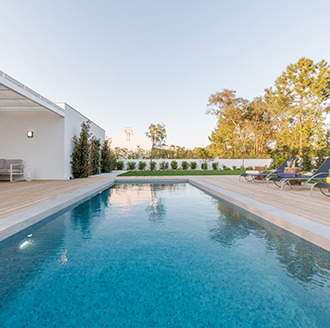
2,171
287,175
252,172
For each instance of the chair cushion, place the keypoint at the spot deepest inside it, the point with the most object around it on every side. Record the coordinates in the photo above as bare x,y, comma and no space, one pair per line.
12,161
287,175
2,162
252,172
7,171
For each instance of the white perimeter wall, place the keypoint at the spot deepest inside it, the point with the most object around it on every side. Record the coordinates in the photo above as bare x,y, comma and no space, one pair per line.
227,162
73,120
44,152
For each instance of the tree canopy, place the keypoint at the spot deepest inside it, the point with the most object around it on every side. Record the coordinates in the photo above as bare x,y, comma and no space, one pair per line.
288,120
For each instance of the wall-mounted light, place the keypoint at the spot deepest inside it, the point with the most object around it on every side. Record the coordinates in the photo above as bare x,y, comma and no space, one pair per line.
30,134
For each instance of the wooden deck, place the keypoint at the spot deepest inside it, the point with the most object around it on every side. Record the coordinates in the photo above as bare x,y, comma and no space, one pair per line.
316,207
20,195
17,196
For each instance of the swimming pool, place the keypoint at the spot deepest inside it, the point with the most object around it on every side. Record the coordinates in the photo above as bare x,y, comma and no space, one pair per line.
160,256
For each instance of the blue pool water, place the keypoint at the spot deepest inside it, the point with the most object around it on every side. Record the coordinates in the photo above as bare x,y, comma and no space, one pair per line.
160,256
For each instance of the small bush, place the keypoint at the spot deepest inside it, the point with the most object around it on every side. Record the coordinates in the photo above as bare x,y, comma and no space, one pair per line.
120,165
234,167
306,160
107,161
163,165
142,165
184,165
215,166
226,168
153,166
204,166
320,158
249,168
80,164
193,165
174,165
131,165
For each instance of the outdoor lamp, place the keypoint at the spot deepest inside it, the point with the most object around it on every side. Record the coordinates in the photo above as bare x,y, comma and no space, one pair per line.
30,134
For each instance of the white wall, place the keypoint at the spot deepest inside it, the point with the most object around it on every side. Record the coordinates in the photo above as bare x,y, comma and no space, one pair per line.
44,152
227,162
73,120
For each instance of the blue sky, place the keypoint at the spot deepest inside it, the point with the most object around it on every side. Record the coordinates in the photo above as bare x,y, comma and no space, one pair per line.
132,63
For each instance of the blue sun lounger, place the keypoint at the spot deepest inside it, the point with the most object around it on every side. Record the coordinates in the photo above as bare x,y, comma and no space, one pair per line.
263,176
321,174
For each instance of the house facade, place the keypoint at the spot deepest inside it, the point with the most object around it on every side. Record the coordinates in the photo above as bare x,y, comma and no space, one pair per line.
127,139
38,131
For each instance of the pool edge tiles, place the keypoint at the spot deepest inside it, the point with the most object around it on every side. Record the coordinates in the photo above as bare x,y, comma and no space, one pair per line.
311,231
15,223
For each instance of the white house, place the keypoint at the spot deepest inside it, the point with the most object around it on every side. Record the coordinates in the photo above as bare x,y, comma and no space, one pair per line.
38,131
126,139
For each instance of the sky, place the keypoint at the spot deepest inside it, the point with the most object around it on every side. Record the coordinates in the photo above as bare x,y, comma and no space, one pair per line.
130,63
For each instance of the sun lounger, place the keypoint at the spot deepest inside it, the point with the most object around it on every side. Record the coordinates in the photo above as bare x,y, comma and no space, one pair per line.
321,174
263,176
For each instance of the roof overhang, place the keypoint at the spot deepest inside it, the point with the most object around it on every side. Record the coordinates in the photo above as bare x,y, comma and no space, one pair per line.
16,97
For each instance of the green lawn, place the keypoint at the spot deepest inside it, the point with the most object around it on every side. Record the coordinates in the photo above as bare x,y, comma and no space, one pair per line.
181,172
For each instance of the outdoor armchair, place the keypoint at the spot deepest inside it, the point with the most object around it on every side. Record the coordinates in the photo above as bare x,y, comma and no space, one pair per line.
263,176
321,174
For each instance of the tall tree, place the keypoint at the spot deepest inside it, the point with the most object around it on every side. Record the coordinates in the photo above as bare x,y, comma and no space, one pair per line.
298,102
233,123
157,134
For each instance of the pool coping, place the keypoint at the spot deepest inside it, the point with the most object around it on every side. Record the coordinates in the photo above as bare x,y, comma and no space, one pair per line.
314,232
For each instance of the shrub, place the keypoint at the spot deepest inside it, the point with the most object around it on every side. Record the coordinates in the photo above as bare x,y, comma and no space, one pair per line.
174,165
95,155
204,166
234,167
320,158
306,160
142,165
184,165
163,165
278,160
80,164
215,166
131,165
107,161
153,166
193,165
249,168
120,165
226,168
